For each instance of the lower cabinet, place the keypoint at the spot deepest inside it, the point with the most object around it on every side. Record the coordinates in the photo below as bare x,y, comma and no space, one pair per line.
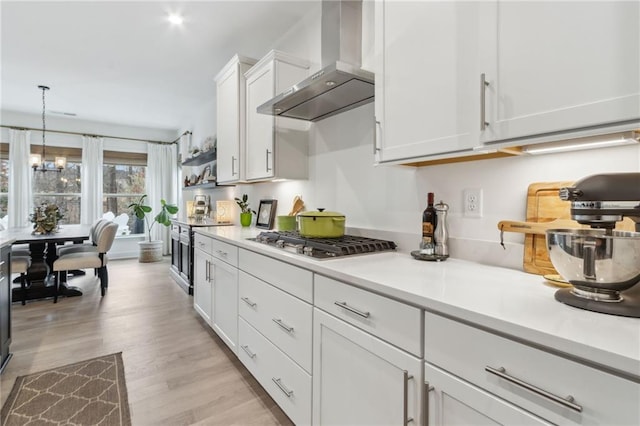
5,306
225,302
359,379
202,285
452,401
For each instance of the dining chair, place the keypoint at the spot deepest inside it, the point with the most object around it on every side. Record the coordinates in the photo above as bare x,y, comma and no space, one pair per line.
19,265
91,246
90,259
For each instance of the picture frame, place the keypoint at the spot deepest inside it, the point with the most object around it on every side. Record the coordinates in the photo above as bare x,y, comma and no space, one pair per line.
205,176
266,214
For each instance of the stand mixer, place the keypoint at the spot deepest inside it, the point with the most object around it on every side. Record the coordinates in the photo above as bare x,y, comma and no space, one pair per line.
600,263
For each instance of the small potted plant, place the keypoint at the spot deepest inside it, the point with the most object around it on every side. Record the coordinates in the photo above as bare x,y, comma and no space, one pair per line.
245,211
151,251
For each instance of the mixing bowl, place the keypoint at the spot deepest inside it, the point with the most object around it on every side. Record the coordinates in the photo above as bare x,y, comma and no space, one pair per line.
593,261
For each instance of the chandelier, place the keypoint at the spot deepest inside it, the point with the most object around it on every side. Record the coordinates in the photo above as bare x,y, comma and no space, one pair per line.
38,161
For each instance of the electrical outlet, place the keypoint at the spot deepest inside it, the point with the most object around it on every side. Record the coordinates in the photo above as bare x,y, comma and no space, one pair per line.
473,202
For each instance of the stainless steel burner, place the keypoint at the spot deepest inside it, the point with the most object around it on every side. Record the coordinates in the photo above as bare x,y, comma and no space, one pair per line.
324,248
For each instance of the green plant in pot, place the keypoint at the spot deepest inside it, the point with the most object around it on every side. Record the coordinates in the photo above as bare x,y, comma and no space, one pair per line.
245,212
151,251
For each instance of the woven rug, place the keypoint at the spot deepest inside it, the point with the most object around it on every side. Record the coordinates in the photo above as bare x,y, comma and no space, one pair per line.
90,392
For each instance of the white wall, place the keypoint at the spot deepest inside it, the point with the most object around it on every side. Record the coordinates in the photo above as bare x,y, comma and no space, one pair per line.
391,198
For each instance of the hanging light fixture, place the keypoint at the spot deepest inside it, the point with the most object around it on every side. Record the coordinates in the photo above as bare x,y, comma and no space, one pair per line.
38,160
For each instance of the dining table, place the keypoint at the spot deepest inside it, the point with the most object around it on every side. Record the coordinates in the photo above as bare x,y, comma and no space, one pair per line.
43,252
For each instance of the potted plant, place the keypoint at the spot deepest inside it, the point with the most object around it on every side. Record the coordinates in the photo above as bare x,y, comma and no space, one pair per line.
245,211
151,251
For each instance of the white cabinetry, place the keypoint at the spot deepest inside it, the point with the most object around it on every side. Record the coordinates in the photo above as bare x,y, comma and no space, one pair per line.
230,118
276,147
453,76
359,379
551,72
426,78
505,373
215,287
275,335
202,285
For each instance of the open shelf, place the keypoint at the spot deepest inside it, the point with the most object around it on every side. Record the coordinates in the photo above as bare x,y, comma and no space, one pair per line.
209,185
203,158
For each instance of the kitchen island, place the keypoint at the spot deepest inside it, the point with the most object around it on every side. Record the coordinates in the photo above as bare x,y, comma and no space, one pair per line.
509,310
5,300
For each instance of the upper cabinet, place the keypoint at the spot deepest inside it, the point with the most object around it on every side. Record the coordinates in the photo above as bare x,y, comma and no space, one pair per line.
426,96
561,66
230,118
276,147
452,77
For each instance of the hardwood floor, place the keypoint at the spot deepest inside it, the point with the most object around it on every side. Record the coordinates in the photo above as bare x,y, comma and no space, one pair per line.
178,371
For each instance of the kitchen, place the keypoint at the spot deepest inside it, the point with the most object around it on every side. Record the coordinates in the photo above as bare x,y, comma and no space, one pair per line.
389,199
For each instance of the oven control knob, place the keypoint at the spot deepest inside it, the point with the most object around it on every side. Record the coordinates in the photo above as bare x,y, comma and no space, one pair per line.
299,248
280,243
308,251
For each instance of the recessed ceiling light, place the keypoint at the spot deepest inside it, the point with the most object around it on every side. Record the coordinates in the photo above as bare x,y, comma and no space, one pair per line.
175,19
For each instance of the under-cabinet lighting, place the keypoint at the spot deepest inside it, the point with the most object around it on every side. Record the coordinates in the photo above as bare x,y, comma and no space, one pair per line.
577,144
175,19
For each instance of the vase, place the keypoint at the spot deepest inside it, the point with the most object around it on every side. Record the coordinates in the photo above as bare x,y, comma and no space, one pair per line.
245,219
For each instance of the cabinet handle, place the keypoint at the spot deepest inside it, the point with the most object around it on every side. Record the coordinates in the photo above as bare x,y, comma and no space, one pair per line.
267,156
248,302
405,409
2,270
246,349
567,402
483,89
206,271
425,394
376,124
282,325
344,305
222,253
233,165
282,387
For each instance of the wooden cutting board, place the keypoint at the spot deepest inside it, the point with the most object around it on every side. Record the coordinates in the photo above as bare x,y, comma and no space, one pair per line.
544,205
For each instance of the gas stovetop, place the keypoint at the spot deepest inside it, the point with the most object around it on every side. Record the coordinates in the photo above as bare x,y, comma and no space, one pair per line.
323,248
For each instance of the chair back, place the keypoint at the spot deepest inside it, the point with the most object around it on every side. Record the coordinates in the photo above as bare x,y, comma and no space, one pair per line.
96,229
106,236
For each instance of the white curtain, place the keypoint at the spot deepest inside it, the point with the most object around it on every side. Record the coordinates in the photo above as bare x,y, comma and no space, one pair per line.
161,184
20,200
91,175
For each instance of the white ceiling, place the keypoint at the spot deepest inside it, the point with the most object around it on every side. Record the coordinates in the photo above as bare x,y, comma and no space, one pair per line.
122,62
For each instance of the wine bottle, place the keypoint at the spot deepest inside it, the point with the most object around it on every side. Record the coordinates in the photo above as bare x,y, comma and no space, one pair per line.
427,244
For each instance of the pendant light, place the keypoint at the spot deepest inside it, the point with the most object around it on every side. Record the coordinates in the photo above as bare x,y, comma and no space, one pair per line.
38,161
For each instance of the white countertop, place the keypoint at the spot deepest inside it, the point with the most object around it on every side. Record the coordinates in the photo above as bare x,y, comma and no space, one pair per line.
510,302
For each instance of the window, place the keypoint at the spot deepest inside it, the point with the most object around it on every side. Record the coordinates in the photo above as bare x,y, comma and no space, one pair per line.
62,189
4,186
123,182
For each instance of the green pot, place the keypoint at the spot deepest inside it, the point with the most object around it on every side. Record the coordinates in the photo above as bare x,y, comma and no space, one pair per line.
321,224
245,219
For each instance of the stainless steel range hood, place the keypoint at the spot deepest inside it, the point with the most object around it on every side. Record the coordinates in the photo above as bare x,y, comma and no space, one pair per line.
341,84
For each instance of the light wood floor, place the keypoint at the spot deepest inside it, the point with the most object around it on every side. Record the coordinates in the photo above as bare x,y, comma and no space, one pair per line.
178,371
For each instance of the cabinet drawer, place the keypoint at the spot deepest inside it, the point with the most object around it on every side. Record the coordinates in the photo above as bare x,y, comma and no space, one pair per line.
287,383
387,319
467,352
175,228
203,243
293,280
283,319
225,252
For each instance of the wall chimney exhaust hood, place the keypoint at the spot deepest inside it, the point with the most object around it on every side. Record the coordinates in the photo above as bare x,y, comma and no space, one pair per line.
341,84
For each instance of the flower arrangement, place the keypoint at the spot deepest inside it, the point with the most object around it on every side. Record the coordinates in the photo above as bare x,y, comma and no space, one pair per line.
45,218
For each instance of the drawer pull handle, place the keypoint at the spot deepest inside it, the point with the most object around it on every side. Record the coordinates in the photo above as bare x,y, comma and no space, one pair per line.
282,325
405,408
222,253
344,305
425,394
282,387
249,302
567,402
246,349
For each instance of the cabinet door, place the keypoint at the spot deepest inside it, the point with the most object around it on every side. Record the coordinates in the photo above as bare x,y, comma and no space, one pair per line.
260,127
202,285
427,84
228,119
359,379
452,401
225,302
560,66
5,305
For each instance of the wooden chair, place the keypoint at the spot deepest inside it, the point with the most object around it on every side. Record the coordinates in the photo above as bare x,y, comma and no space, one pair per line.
90,259
19,265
